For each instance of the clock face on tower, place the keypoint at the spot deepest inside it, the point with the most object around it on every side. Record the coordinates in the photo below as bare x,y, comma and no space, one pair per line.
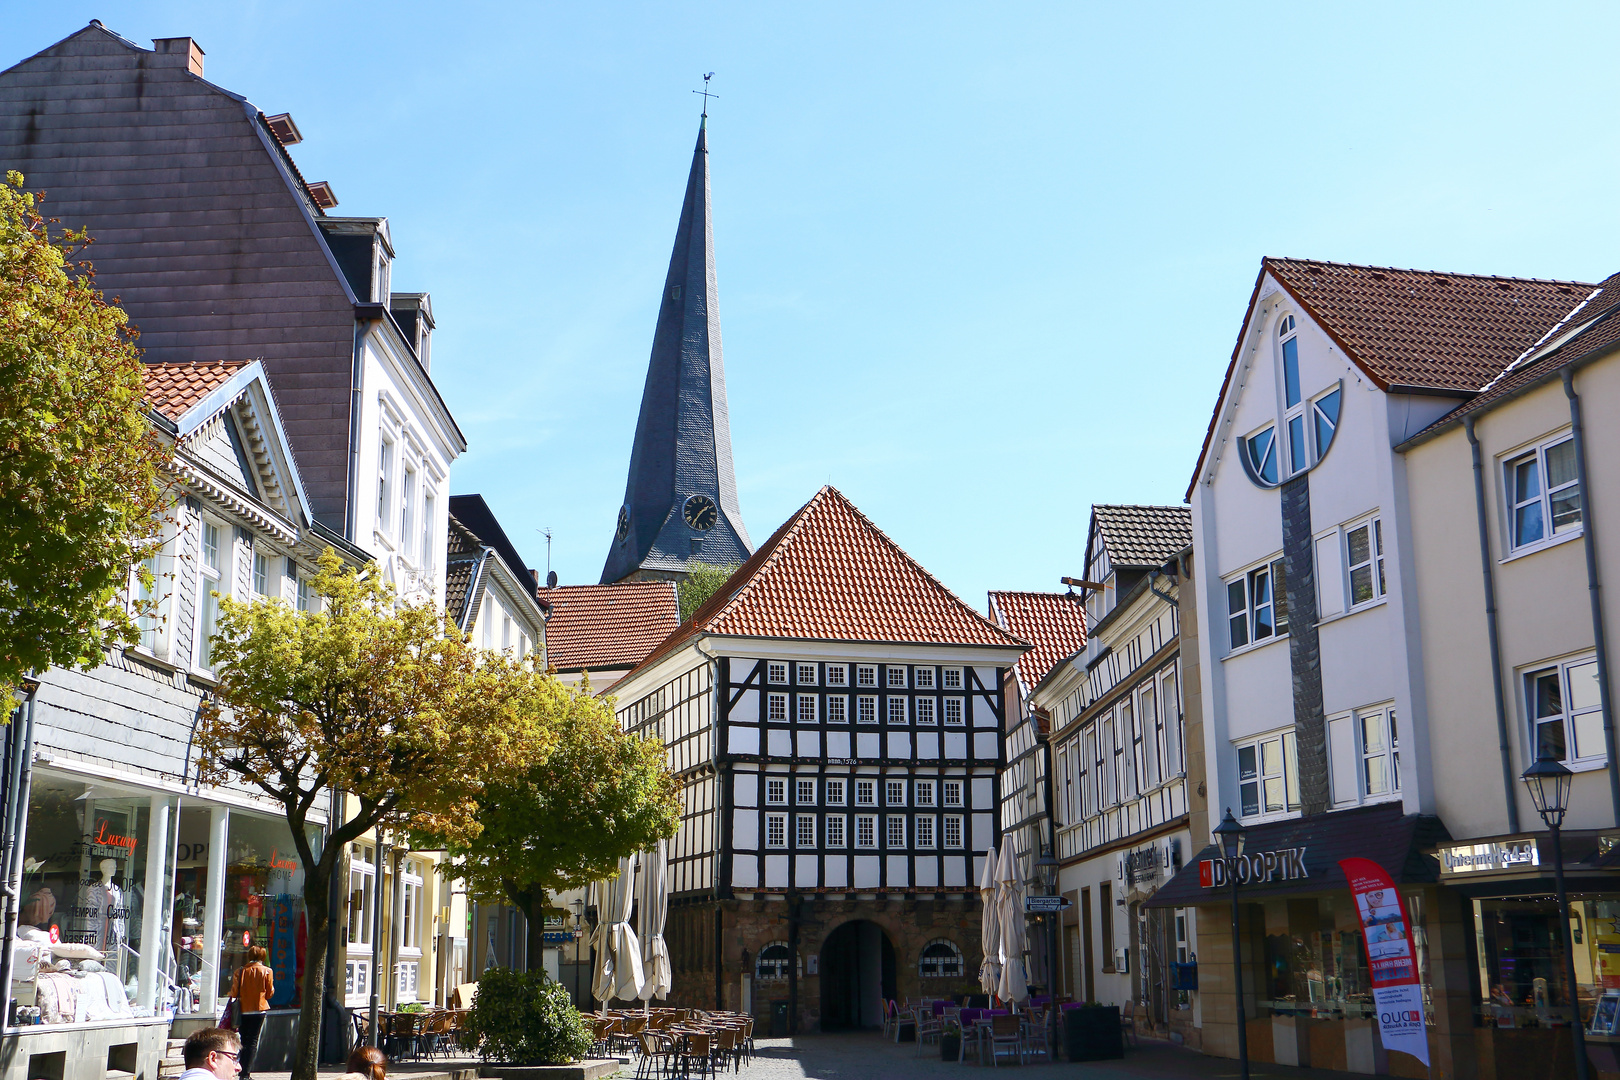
624,523
700,513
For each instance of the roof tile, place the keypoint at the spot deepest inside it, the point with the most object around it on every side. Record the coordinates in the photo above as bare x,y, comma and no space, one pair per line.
1143,536
599,626
1053,623
172,388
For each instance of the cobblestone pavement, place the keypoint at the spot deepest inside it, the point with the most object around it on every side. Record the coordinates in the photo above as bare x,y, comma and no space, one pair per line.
868,1056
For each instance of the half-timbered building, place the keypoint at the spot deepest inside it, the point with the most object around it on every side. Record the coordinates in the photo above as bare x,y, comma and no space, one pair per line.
835,715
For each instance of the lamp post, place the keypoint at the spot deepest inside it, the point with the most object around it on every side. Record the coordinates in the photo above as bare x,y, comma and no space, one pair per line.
1229,835
1047,867
1549,783
579,921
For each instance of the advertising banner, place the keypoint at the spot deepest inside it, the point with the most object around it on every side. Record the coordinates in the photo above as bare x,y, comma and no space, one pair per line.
1391,957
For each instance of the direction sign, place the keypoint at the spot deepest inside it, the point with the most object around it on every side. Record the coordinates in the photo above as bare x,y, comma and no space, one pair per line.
1045,904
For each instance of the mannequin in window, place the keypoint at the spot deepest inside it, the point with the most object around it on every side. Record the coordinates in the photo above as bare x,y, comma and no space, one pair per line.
111,921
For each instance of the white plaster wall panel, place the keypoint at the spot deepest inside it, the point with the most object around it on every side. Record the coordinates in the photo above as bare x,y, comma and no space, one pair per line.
809,744
984,832
899,745
984,790
984,745
927,872
781,743
1342,760
1257,684
805,871
899,870
745,830
868,872
1359,661
743,739
1329,566
838,744
745,789
983,715
748,707
954,868
776,871
745,873
927,744
987,678
955,745
868,745
837,873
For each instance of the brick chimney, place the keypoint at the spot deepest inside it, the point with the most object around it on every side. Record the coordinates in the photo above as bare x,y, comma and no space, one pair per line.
179,51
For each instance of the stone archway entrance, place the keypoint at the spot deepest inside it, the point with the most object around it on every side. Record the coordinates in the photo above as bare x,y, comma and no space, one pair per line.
857,974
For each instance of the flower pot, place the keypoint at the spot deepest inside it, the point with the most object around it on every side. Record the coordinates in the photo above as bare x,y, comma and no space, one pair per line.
950,1046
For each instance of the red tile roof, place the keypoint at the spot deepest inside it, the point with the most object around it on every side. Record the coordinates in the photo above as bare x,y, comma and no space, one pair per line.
601,626
173,388
829,574
1413,328
1054,624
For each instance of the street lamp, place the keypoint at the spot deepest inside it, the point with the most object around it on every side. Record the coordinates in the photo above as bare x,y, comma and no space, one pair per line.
1046,868
579,920
1229,835
1549,783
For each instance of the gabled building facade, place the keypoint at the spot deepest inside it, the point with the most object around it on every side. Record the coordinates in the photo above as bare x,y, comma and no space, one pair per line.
835,716
1126,795
680,499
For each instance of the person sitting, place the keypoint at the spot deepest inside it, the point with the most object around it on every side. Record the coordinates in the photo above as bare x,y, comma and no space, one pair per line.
212,1054
368,1063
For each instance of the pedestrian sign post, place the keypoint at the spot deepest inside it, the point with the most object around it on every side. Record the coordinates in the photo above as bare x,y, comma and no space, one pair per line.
1045,905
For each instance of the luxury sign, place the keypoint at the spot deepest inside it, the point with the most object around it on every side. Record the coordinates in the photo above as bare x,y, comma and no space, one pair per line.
1256,867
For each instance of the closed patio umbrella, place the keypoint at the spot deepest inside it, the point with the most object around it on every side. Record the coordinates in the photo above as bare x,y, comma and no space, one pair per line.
1014,986
618,953
989,935
654,913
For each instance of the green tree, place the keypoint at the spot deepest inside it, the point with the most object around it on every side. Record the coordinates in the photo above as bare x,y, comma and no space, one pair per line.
81,483
703,580
383,701
566,820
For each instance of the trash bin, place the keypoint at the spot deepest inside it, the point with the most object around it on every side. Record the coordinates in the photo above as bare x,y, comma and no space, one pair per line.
779,1019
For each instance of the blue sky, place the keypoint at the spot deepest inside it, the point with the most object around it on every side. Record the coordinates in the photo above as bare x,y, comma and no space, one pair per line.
980,265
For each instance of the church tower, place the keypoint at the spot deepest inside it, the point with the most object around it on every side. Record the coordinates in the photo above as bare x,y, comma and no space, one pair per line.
680,500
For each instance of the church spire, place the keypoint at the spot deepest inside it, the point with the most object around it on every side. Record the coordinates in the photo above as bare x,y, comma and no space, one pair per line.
680,500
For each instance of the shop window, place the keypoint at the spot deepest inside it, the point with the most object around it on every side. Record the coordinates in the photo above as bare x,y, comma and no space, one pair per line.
941,959
1522,958
771,964
1545,493
264,903
1257,605
1268,775
1565,707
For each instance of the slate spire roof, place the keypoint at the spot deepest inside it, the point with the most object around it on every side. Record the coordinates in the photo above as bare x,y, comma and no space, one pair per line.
829,574
682,448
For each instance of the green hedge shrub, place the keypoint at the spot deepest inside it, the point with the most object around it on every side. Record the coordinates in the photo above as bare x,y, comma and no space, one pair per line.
524,1018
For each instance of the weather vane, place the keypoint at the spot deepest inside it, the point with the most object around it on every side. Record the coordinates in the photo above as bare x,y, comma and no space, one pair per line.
705,93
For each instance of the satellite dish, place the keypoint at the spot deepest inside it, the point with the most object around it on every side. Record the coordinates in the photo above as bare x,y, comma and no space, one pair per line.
551,579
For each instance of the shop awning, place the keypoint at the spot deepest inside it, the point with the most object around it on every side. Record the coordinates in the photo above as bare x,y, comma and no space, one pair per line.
1300,856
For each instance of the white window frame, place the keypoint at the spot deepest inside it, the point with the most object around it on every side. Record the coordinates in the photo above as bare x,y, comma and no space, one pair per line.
894,677
304,590
951,834
923,831
896,712
894,832
1378,746
407,508
925,793
865,792
409,927
1571,672
386,449
429,526
837,675
806,709
835,830
923,677
866,830
955,712
1373,563
1276,761
927,712
210,579
952,793
836,788
776,708
776,790
1544,498
837,709
807,674
894,792
804,831
1246,581
951,679
866,675
776,830
1288,331
804,791
776,673
866,709
156,625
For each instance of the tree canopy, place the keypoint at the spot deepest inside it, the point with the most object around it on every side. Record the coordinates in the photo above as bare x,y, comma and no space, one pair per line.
382,700
702,581
567,819
81,484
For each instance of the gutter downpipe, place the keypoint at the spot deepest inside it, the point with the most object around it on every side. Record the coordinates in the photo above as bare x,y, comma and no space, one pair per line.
1594,588
1504,746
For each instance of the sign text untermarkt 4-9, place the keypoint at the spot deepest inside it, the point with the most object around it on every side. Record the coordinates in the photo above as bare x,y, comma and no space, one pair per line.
1256,867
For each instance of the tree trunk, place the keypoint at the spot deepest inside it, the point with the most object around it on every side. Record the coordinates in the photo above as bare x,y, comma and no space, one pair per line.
307,1049
537,931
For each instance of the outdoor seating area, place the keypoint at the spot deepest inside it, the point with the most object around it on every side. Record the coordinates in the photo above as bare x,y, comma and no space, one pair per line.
992,1036
674,1042
413,1035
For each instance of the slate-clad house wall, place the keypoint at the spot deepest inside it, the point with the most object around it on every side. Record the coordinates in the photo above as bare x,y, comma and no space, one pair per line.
209,235
835,718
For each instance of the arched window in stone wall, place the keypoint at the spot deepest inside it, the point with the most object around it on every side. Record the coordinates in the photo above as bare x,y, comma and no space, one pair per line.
772,962
941,959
